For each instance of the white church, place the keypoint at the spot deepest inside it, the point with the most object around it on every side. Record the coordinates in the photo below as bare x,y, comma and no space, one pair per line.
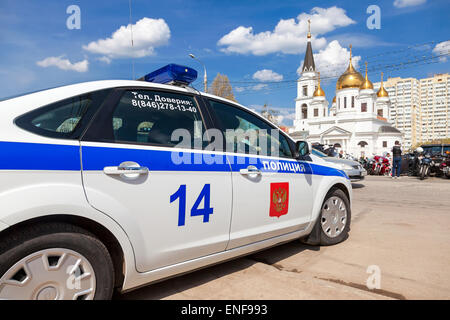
357,121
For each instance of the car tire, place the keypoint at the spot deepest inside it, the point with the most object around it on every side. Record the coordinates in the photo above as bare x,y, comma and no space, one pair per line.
60,244
422,172
320,237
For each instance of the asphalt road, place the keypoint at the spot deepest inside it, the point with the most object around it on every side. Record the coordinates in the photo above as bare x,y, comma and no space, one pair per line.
400,228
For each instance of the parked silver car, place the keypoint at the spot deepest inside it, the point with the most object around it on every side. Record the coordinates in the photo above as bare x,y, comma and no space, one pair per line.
353,169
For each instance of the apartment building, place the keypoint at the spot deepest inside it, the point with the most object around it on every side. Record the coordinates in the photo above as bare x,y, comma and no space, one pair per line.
434,101
419,107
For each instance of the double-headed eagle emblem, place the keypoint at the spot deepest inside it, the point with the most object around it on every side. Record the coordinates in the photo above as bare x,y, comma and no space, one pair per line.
279,197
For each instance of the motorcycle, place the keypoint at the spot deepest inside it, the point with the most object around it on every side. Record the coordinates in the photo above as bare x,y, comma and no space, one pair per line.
425,164
369,166
435,169
381,166
445,167
412,163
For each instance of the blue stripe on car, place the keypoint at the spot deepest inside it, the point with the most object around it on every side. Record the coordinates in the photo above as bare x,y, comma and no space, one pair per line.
37,156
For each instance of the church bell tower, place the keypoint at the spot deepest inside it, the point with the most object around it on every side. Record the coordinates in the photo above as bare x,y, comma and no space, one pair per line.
306,86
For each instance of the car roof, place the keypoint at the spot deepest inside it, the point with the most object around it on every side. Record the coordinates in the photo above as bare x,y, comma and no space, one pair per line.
30,101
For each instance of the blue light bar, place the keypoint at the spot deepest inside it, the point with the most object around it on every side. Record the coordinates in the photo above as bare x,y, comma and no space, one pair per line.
172,74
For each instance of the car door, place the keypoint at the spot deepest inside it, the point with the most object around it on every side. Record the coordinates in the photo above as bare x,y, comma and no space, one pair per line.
272,191
142,164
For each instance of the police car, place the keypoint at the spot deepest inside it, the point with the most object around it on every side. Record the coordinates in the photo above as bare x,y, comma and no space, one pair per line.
116,184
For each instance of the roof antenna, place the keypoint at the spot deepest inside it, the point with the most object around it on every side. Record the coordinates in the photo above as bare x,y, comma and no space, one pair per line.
132,42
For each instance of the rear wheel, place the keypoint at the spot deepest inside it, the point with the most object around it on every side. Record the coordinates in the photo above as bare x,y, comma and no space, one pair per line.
55,262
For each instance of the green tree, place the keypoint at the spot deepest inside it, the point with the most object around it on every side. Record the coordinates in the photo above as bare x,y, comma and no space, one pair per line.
221,87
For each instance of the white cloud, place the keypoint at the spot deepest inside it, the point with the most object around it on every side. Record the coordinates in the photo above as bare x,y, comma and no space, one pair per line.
288,36
359,40
256,87
259,87
267,75
408,3
442,48
148,34
105,59
64,64
332,60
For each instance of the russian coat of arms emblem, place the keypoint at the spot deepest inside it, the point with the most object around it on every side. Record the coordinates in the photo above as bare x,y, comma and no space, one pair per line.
279,199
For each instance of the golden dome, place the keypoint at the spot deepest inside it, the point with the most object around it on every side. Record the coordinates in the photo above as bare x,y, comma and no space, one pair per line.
350,78
334,99
366,84
319,92
382,92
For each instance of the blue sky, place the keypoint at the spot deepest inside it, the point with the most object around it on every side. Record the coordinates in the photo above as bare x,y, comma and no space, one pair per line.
37,45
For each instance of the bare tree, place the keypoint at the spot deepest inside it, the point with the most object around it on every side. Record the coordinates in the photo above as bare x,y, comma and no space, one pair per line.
221,87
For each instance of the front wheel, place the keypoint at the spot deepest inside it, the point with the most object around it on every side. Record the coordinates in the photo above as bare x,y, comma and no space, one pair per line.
423,172
55,262
333,224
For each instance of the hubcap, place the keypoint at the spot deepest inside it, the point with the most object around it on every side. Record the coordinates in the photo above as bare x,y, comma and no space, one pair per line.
334,217
50,274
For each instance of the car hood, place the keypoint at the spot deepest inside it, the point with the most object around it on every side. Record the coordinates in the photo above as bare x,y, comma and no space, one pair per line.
341,161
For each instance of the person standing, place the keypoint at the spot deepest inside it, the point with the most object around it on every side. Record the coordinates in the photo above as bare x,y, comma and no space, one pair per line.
397,160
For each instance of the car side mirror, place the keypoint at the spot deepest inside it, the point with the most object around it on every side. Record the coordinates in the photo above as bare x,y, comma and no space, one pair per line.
302,148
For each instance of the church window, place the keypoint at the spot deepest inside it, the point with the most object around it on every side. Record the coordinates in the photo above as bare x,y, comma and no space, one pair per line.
345,102
304,111
305,91
353,101
380,112
364,107
384,144
316,112
362,144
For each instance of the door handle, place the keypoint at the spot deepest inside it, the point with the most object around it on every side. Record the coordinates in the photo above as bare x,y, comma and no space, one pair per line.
125,170
251,170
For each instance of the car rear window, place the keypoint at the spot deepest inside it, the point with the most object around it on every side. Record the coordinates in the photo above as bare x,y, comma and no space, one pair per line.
65,118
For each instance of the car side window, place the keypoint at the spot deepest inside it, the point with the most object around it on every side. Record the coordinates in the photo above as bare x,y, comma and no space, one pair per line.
233,118
61,119
157,118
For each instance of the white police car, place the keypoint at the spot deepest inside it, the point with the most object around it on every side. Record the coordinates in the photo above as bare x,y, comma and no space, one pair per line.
117,184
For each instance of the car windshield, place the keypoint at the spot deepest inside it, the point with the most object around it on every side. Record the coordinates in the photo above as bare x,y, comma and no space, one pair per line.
318,153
